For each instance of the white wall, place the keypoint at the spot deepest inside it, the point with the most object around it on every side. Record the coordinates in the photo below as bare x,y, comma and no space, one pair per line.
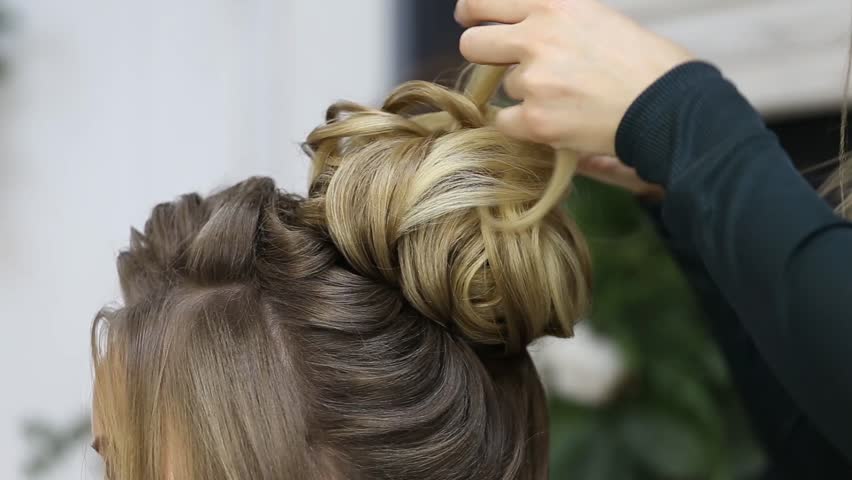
786,56
114,106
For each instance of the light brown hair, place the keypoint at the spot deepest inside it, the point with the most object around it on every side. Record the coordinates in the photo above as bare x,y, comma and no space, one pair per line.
375,329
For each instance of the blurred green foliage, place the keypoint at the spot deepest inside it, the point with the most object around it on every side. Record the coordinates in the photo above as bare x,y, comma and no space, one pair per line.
51,443
677,415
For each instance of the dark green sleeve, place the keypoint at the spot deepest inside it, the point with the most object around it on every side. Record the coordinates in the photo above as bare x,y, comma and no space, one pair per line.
778,253
796,449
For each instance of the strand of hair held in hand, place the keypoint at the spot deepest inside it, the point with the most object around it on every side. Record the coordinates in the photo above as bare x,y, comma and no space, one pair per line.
485,83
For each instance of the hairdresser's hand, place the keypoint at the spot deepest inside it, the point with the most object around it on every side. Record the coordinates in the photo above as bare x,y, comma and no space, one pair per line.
610,170
580,66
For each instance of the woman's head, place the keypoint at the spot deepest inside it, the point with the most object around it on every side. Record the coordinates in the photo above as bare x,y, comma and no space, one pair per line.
374,329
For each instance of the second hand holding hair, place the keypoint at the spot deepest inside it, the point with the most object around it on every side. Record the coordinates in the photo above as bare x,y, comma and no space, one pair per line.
487,80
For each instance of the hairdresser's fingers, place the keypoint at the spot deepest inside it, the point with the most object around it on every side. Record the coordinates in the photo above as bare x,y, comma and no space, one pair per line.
475,12
513,83
526,122
612,171
603,164
492,45
508,121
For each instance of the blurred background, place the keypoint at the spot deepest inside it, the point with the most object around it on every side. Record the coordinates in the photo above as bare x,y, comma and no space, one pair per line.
107,108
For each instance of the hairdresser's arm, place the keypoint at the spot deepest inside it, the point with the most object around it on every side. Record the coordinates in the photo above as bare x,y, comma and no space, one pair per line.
796,448
778,253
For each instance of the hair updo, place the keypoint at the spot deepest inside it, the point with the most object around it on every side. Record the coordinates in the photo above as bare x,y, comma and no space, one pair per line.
407,198
375,329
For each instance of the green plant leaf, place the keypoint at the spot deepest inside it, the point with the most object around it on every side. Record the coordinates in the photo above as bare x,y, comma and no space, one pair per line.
597,457
666,445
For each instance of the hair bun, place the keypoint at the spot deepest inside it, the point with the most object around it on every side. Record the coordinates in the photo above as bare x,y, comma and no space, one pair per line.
409,200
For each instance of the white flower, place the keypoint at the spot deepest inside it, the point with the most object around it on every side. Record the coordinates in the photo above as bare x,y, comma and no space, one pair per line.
586,368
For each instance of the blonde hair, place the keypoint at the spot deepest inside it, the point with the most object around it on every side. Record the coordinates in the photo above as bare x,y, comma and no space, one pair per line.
375,329
837,185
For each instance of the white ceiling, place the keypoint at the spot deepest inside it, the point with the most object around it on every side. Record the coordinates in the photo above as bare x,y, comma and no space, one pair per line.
787,56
